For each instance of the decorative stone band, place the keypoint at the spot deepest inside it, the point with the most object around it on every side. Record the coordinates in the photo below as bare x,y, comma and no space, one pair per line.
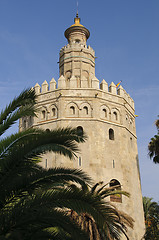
79,57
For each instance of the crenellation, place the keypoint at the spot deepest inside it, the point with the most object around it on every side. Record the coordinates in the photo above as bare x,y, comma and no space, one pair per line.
52,84
95,83
37,88
79,46
129,100
112,88
44,87
61,82
104,86
73,82
121,91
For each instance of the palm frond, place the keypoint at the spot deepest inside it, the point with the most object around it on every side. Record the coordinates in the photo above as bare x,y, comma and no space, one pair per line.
21,106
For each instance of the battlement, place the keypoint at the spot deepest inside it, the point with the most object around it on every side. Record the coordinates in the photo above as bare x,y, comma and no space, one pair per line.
77,46
111,89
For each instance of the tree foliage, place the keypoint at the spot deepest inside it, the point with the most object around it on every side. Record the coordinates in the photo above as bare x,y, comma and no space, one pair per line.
34,202
151,214
116,222
153,146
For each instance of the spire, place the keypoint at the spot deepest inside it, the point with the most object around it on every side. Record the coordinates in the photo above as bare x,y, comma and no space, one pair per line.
77,10
77,27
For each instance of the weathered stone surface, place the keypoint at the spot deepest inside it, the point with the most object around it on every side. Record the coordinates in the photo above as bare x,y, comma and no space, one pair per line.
78,101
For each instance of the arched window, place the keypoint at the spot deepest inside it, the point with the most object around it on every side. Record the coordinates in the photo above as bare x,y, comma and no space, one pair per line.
104,112
43,114
53,112
47,130
80,130
72,110
115,186
85,110
111,134
24,124
115,116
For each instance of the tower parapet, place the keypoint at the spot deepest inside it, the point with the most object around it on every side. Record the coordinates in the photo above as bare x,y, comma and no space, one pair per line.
62,85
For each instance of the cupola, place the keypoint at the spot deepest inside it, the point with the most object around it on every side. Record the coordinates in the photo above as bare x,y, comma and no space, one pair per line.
77,33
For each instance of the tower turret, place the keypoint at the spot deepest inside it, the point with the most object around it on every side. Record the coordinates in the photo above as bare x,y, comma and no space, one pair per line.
77,33
77,60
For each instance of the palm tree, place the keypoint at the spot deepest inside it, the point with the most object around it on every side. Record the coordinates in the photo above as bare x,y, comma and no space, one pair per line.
34,201
116,222
151,214
153,146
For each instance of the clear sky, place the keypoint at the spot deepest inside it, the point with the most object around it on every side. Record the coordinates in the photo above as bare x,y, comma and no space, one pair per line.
125,37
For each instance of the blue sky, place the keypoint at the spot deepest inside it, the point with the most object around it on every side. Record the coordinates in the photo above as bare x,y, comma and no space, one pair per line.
125,37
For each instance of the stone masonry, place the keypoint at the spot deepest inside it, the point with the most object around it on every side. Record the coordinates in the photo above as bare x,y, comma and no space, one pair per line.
104,112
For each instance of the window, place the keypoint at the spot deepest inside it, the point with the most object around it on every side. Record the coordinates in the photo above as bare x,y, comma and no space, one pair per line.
111,134
24,124
115,116
53,112
104,112
47,130
113,164
43,114
77,41
85,110
30,120
126,117
72,110
80,130
115,185
79,162
45,163
131,142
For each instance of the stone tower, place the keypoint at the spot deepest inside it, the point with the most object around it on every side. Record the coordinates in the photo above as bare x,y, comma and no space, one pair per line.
103,112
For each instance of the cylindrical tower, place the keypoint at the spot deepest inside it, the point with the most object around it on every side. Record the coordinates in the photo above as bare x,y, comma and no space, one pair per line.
76,59
106,115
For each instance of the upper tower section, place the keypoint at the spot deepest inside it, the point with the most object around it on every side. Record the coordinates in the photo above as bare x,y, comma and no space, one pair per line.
77,60
77,33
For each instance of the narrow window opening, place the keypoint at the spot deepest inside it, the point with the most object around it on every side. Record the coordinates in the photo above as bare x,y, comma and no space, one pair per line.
79,162
43,114
24,124
115,185
104,112
111,134
131,142
113,164
53,112
45,163
85,110
115,116
30,120
72,109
